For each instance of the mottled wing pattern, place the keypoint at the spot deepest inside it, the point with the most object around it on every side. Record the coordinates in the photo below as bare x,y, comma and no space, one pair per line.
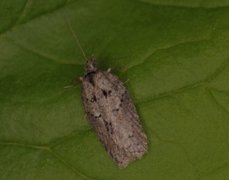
113,115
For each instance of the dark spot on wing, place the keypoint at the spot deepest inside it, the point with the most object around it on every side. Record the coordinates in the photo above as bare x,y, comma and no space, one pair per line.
108,127
130,136
93,99
115,110
104,93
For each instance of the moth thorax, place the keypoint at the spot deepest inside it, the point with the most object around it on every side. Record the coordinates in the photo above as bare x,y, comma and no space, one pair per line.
91,65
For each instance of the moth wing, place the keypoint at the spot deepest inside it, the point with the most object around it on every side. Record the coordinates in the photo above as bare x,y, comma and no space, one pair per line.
113,115
128,134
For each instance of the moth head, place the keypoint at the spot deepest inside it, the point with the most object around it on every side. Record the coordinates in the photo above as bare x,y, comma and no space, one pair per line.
91,65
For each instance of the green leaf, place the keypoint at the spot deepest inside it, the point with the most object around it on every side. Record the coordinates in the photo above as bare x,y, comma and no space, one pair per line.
175,55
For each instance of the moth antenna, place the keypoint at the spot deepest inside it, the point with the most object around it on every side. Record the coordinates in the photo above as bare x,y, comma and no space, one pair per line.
76,39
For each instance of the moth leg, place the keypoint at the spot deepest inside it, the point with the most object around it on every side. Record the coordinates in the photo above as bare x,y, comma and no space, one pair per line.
85,117
72,84
126,81
68,86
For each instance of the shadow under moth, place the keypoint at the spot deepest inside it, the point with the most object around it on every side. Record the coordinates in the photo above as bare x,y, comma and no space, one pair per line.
111,112
113,115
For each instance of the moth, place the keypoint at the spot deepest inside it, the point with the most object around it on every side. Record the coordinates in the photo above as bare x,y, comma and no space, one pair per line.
112,113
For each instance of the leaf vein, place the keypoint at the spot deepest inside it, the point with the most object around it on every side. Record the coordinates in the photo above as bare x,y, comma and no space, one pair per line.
47,149
39,15
199,6
70,166
12,24
214,99
143,61
196,84
40,53
24,11
24,145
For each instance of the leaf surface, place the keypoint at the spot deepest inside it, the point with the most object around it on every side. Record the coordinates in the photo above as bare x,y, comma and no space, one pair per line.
175,56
